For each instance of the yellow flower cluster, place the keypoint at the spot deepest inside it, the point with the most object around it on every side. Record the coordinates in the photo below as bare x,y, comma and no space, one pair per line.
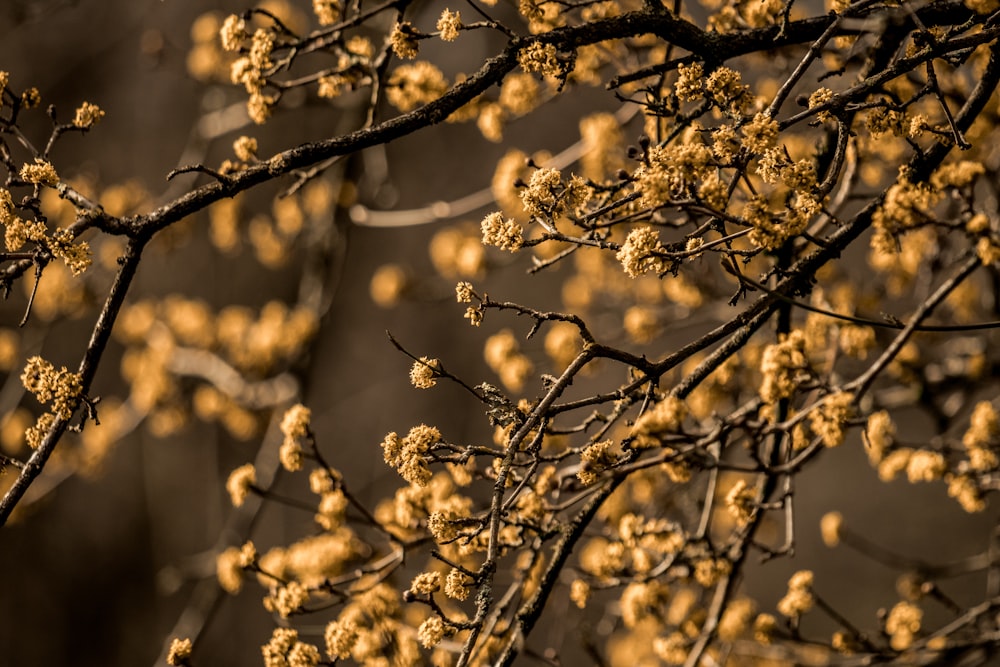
288,599
18,231
879,433
982,437
539,57
519,93
602,139
327,11
285,650
368,629
799,598
905,205
464,292
664,417
829,418
179,652
294,428
449,24
965,490
233,32
231,564
902,625
403,40
595,459
62,387
252,69
75,255
642,600
504,234
672,172
431,632
407,455
638,253
426,583
410,86
737,619
741,502
818,97
240,482
726,89
831,526
781,366
547,195
760,133
422,373
456,585
41,172
245,148
87,115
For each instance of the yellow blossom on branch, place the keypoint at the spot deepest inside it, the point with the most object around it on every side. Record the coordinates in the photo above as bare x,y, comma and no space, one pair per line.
449,25
41,172
87,115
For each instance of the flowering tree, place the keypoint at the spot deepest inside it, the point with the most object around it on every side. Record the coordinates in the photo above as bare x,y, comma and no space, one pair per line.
785,236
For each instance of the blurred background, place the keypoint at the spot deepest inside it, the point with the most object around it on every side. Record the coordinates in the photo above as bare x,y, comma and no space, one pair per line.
101,568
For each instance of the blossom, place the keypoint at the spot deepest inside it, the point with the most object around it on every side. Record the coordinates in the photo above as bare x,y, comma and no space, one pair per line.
422,374
431,632
233,32
40,173
403,40
87,115
240,482
760,133
538,57
245,148
449,25
180,651
327,11
504,234
799,598
637,253
426,583
410,86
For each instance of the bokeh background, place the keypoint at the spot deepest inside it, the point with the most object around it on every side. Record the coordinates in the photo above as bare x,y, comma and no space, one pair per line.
101,569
